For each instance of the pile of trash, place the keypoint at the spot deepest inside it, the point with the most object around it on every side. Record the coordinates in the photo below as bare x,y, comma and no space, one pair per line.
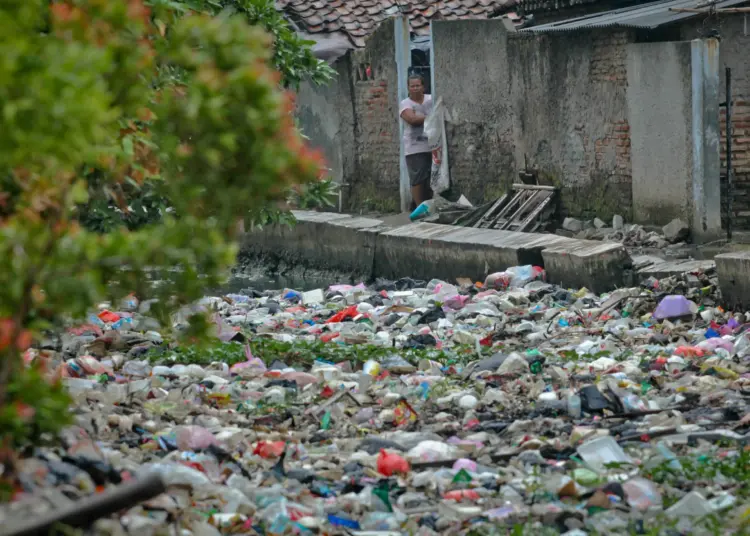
674,234
405,407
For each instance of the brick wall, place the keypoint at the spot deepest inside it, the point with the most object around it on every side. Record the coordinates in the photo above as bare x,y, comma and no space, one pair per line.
375,184
569,94
740,160
617,140
608,56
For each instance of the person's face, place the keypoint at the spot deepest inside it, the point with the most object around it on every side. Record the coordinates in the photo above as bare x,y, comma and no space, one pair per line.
416,89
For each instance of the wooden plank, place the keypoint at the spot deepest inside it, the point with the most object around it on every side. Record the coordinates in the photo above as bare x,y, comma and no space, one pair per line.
534,214
517,186
483,220
530,201
501,218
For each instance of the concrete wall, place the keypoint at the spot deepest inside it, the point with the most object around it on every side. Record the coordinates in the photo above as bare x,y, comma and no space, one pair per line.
470,72
354,121
660,106
326,116
569,93
733,53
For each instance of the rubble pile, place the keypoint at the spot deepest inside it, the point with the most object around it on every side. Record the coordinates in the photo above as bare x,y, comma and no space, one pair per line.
409,407
674,234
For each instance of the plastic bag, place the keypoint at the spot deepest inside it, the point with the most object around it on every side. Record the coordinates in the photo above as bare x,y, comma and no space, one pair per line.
434,129
433,125
389,463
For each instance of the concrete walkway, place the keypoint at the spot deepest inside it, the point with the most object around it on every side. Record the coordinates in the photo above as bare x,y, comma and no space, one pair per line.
369,248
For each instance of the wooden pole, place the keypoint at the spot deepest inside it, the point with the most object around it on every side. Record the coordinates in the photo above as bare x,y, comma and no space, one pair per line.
86,511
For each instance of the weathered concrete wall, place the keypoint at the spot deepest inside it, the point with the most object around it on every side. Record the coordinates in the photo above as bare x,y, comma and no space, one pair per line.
659,108
734,279
321,240
733,53
354,121
569,95
366,247
705,215
470,72
375,183
326,116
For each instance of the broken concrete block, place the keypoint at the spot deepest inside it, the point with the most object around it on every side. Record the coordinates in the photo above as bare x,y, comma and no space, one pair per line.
573,225
617,223
599,223
676,230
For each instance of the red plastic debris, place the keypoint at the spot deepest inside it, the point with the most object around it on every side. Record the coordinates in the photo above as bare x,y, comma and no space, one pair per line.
462,495
389,464
328,337
349,312
108,316
689,351
269,449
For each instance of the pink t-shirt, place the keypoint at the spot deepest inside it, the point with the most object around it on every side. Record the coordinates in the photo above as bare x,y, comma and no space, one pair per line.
415,140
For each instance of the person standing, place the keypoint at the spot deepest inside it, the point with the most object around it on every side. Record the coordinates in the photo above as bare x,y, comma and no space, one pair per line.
413,111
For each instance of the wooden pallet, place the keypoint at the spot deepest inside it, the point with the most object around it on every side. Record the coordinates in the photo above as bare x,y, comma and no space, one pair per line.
522,212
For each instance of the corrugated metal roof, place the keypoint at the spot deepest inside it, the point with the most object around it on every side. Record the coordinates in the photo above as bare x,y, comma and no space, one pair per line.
646,16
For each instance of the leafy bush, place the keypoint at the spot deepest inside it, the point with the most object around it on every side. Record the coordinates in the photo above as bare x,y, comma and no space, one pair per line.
82,114
139,199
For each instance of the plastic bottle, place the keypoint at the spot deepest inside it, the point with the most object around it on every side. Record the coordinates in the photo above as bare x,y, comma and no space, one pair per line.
574,406
137,368
422,211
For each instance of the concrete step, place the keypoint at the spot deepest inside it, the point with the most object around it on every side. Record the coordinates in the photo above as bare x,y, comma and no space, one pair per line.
652,266
734,278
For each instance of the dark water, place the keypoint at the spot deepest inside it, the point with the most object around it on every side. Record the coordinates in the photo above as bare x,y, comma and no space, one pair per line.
239,282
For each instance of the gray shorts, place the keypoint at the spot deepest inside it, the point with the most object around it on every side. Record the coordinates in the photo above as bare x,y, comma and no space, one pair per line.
419,166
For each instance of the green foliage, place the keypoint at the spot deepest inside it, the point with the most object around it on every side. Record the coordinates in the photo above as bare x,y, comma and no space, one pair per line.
102,214
299,353
734,468
80,116
139,200
38,407
319,194
292,57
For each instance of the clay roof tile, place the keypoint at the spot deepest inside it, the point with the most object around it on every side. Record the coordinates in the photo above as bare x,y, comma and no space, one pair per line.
359,18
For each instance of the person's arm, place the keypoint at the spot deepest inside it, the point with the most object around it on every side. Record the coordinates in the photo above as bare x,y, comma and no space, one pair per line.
412,117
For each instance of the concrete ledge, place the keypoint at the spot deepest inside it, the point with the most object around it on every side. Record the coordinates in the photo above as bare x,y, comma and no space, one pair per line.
734,278
598,266
367,247
320,240
651,266
423,250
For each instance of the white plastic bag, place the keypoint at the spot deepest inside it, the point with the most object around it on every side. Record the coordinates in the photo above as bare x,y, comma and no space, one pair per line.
433,125
434,129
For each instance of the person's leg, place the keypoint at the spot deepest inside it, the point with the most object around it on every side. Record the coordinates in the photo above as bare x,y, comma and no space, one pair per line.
420,170
417,194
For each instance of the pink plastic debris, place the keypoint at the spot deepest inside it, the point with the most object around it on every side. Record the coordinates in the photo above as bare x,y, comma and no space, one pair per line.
194,438
464,463
456,302
252,362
